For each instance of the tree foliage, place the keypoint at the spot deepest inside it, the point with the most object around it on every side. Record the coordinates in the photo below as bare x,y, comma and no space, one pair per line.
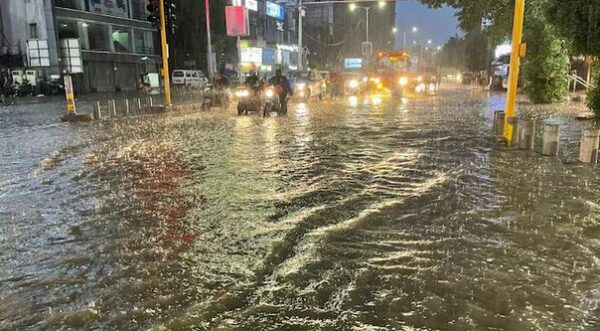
545,67
470,52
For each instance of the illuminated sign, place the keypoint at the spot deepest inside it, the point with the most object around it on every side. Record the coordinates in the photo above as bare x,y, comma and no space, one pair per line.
236,21
275,10
252,5
252,55
353,63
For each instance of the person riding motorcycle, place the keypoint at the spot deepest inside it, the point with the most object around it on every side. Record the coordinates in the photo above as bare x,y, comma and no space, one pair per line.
254,82
282,88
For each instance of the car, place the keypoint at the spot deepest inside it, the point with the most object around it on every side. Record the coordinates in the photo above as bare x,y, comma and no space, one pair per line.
189,78
308,84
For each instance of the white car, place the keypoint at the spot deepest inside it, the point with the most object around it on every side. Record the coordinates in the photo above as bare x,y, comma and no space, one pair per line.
189,78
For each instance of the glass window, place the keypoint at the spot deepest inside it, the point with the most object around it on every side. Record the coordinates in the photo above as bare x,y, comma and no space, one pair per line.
144,43
98,37
67,29
177,73
33,31
138,9
121,39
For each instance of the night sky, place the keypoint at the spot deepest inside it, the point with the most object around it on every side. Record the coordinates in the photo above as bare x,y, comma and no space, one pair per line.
435,24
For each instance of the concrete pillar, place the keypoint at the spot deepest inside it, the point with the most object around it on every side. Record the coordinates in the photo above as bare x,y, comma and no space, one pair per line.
527,135
551,139
590,139
499,122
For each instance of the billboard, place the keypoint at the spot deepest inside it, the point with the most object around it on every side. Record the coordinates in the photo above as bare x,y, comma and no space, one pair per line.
275,10
356,63
250,4
110,7
236,21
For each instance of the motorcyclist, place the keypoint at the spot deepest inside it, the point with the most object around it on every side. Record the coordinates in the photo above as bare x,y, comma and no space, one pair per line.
284,88
253,82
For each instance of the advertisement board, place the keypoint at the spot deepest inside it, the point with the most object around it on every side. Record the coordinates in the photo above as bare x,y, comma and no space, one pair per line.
353,63
252,55
110,7
275,10
236,21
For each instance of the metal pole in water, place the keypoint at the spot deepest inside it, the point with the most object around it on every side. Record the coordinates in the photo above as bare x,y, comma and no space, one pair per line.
98,111
588,152
551,140
114,105
127,106
518,51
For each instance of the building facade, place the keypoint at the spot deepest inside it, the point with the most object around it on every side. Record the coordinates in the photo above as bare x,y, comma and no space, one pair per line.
272,41
116,44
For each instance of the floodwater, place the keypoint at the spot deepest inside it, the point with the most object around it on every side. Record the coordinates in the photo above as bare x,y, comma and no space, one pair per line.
401,216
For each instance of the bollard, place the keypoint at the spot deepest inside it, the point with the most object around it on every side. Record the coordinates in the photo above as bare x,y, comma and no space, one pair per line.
98,113
114,105
515,132
139,103
551,139
151,101
527,135
588,152
126,106
499,122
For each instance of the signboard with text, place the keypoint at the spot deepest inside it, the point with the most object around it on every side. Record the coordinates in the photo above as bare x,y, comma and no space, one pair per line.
110,7
275,10
236,21
356,63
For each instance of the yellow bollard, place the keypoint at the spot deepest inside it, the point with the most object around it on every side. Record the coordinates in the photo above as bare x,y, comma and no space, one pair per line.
518,51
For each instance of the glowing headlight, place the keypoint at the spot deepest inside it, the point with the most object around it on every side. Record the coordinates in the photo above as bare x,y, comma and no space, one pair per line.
300,86
403,81
353,83
419,79
242,93
459,77
270,93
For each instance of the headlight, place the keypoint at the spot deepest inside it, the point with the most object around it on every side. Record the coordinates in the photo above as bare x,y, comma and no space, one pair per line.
270,93
403,81
301,86
419,79
353,83
242,93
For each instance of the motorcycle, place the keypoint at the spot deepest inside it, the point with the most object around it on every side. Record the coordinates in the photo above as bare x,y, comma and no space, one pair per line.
249,100
273,102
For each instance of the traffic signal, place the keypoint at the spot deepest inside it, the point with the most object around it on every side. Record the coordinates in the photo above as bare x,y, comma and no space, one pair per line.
171,16
153,9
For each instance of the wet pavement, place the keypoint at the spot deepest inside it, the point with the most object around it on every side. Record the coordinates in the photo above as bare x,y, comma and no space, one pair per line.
400,216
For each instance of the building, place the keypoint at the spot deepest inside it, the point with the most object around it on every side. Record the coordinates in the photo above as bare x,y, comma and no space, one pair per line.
114,44
117,43
272,42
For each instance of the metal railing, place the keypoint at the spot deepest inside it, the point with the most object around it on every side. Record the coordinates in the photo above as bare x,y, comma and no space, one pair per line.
575,80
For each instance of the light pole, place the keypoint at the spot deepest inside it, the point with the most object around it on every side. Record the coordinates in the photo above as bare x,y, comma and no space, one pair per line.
353,7
208,39
300,46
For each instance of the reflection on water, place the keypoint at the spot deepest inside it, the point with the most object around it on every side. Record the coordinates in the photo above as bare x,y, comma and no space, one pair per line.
337,217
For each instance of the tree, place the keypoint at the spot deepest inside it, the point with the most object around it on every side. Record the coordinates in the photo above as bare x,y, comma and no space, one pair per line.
545,67
577,21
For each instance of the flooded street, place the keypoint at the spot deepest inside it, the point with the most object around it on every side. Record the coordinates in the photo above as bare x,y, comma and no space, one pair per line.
401,216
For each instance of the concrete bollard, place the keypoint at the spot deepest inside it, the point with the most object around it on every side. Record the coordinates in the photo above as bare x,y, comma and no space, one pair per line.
114,107
139,104
588,152
499,122
551,139
527,135
98,111
127,107
151,102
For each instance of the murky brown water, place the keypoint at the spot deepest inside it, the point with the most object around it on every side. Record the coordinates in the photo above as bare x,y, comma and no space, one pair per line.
404,216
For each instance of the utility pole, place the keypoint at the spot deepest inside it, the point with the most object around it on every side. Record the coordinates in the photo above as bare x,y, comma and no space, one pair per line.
208,39
518,51
300,46
165,54
367,19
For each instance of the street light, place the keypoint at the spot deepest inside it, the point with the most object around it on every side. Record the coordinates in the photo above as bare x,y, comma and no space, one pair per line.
415,29
381,4
429,41
353,7
395,30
